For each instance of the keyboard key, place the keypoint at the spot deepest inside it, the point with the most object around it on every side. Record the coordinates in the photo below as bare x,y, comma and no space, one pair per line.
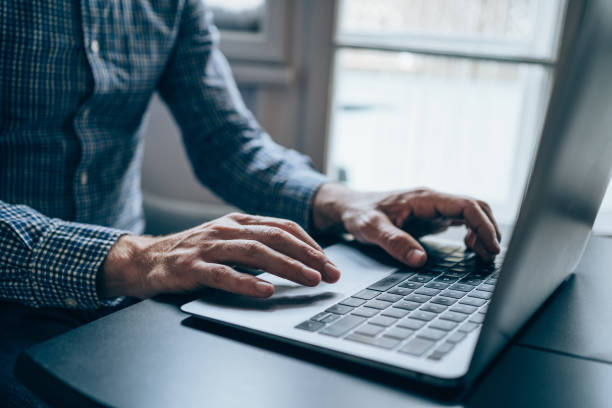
382,342
343,325
367,294
441,300
407,305
433,308
432,334
399,333
463,309
400,291
492,281
388,297
455,294
427,291
480,294
365,312
310,325
441,351
436,269
386,342
446,325
437,285
331,317
456,337
448,278
486,287
410,285
462,287
421,278
477,318
353,302
417,346
468,327
339,309
390,281
455,317
412,324
395,312
472,301
319,316
471,281
417,298
384,321
369,330
378,304
421,315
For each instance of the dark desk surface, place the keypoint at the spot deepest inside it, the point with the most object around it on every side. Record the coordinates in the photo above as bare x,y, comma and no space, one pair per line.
151,354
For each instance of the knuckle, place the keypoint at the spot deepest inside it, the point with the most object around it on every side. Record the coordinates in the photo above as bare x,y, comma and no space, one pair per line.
470,206
217,230
292,225
252,248
369,221
396,242
217,276
243,281
484,204
236,216
316,255
276,234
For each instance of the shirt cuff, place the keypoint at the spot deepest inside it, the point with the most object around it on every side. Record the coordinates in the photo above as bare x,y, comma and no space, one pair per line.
65,264
298,196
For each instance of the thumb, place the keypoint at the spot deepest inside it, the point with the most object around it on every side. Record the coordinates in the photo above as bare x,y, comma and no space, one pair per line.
398,243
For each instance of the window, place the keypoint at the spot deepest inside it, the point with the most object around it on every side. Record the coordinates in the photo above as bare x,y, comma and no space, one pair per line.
449,94
252,30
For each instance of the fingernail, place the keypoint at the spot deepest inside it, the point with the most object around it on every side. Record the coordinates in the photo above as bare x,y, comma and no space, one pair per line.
415,256
312,277
332,271
264,287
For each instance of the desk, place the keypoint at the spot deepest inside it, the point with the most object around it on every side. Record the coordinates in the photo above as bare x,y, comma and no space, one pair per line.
153,355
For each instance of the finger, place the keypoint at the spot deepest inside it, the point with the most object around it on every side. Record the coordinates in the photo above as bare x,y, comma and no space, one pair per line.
396,242
225,278
474,216
472,241
480,249
290,226
286,243
487,210
254,254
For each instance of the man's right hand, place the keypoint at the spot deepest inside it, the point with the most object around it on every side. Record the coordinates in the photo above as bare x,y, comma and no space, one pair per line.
143,266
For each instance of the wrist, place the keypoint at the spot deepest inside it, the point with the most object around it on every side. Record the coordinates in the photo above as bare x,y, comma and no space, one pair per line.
121,273
329,204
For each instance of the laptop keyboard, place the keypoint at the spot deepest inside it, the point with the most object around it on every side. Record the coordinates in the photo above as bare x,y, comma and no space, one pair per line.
420,312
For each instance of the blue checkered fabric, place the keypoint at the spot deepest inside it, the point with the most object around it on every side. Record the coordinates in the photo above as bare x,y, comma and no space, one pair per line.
76,78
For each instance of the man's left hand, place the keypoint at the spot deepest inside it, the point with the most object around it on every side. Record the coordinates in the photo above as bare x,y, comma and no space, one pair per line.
394,220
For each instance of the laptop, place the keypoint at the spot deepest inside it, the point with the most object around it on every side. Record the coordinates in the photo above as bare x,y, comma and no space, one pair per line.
444,323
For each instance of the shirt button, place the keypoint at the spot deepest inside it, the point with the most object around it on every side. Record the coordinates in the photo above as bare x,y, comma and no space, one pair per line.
83,178
94,46
70,302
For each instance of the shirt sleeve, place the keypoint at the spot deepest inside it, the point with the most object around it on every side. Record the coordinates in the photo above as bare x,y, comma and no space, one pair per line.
47,262
228,150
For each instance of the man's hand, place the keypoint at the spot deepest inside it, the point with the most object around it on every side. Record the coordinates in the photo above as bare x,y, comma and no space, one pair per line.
393,220
144,266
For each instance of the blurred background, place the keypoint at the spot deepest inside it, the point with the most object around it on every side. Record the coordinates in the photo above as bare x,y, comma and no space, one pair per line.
382,94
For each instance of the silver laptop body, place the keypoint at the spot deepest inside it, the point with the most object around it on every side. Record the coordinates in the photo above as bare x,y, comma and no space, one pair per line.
568,179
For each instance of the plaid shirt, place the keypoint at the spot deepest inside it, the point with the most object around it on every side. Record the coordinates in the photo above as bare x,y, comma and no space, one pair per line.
76,78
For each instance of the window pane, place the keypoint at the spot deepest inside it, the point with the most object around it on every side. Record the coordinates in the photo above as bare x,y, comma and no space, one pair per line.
464,126
525,26
238,15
